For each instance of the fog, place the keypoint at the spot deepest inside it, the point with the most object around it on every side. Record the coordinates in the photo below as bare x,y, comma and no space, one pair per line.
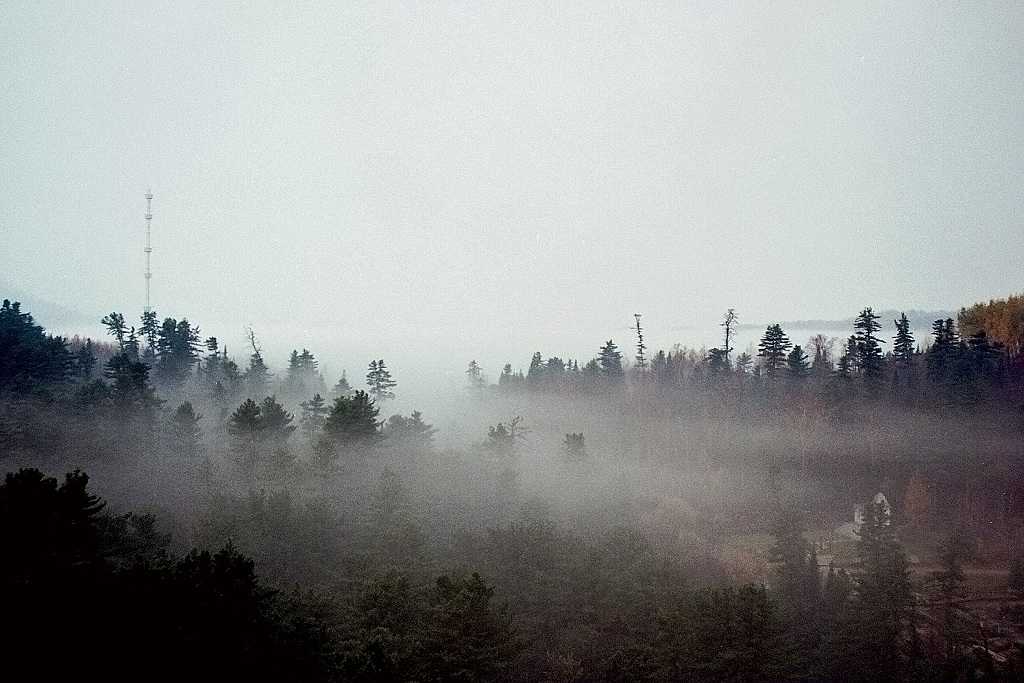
434,185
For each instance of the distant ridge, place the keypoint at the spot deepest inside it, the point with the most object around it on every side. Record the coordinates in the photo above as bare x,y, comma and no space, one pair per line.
45,312
919,320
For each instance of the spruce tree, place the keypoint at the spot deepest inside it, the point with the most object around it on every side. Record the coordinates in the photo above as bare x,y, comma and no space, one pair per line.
773,349
903,351
885,600
868,348
796,363
609,359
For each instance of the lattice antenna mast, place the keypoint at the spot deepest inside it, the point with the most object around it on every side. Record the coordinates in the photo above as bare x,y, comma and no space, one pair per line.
148,249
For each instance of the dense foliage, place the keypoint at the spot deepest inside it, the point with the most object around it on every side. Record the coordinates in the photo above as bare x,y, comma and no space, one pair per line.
261,527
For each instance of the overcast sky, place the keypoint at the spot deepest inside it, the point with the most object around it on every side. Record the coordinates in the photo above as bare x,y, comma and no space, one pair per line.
500,173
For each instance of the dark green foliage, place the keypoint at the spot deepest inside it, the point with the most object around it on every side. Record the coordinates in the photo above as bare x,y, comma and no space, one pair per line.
797,586
885,599
727,634
47,529
260,434
150,330
117,328
183,436
380,382
537,370
903,342
503,438
773,349
29,358
410,432
131,389
941,357
353,421
450,631
718,361
294,540
303,377
609,359
510,380
796,363
74,577
342,389
314,415
949,582
744,362
396,537
177,350
868,349
85,361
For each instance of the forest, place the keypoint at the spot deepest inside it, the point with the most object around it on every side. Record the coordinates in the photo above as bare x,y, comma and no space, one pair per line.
171,512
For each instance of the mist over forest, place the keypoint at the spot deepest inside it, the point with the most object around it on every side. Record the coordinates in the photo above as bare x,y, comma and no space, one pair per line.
638,514
512,341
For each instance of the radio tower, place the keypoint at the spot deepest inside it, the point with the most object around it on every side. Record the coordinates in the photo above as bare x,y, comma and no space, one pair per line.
148,249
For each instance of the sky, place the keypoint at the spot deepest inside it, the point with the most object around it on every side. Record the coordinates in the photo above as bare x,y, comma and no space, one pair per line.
483,178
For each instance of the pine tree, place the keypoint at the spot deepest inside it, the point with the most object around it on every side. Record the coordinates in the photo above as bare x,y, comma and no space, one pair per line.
796,363
177,350
29,357
903,352
410,431
85,361
314,415
868,349
475,376
885,598
773,349
537,372
379,380
342,388
610,361
184,436
115,324
353,420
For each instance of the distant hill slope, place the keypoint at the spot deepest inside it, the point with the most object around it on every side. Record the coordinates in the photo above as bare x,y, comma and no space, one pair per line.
45,312
919,320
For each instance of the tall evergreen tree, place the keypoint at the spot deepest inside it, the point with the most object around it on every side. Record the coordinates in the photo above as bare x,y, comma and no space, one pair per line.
537,372
868,349
903,352
183,436
609,359
177,350
353,421
380,382
796,363
314,415
773,349
475,376
29,358
885,598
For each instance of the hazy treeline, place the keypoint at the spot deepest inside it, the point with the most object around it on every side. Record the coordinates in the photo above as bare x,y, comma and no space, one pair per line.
276,526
